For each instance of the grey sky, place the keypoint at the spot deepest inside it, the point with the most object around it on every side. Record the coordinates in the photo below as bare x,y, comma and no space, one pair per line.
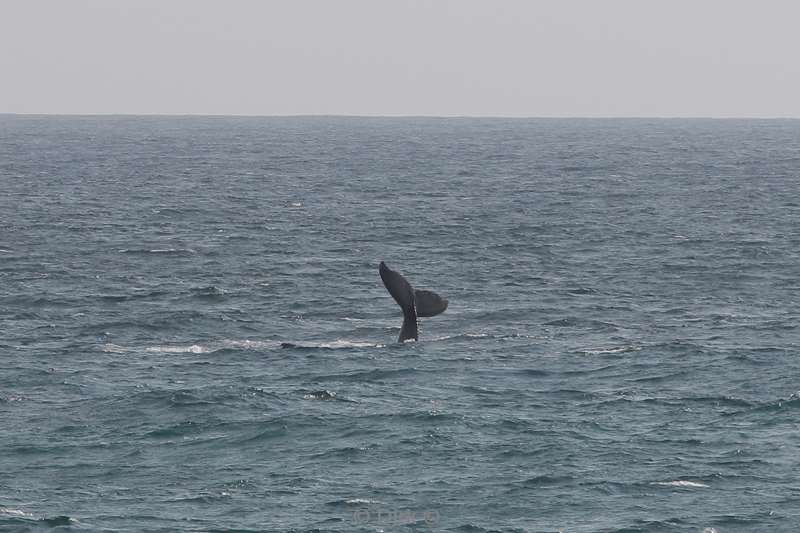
403,57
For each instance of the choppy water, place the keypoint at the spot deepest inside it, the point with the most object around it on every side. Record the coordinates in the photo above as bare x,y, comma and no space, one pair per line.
195,337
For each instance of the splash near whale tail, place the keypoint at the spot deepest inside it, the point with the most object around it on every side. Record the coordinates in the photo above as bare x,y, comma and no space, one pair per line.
414,303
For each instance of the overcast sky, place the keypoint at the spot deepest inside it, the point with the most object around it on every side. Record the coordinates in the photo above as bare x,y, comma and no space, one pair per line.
721,58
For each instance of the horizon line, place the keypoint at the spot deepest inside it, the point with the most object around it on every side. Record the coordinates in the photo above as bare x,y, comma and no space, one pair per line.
409,116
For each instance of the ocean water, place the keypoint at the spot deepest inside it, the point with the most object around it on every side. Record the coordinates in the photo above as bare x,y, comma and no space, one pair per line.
194,336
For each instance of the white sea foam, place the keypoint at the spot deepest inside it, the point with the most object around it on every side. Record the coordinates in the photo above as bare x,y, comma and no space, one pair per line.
611,350
113,348
250,345
240,345
11,398
332,345
156,250
681,483
460,336
341,343
320,395
194,348
14,512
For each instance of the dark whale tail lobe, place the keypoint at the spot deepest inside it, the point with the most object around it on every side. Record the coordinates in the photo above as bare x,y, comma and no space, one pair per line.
429,303
414,303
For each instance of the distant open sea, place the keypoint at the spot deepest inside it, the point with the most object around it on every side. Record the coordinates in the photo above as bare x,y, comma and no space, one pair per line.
194,336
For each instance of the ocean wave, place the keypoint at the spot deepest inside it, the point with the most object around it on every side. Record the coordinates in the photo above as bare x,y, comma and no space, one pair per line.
22,518
177,430
658,378
625,348
209,292
472,528
249,344
320,395
348,453
354,501
194,348
145,251
582,323
8,398
482,336
717,401
226,344
681,483
14,512
580,291
113,348
156,321
245,345
138,294
338,344
792,402
365,375
545,480
531,372
28,301
461,336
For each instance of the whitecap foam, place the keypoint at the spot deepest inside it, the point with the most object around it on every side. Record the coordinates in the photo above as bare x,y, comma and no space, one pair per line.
332,345
14,512
461,336
113,348
194,348
171,250
362,501
11,398
250,345
320,395
611,350
156,251
341,343
681,483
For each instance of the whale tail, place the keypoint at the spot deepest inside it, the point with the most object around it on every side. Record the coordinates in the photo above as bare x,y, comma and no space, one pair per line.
429,303
414,303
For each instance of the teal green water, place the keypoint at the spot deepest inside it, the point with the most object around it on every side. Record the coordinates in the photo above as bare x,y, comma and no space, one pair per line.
194,336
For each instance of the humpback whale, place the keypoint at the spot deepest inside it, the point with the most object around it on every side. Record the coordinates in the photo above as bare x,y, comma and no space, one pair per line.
415,303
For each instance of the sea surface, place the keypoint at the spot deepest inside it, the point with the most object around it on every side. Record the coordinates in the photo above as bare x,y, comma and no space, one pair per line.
194,336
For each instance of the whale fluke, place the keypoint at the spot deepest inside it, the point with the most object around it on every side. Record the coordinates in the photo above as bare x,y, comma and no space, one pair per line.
429,303
414,303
